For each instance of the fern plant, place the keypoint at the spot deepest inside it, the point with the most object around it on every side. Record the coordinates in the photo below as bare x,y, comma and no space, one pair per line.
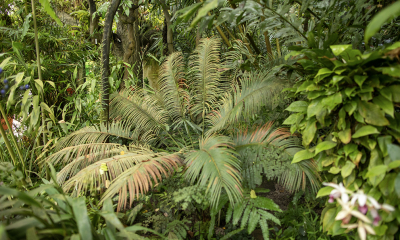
253,210
191,120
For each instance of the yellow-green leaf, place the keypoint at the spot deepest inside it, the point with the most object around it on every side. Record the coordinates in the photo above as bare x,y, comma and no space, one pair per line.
302,155
326,145
364,131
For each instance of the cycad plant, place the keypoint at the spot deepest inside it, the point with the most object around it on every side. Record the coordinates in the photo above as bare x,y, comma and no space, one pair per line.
194,119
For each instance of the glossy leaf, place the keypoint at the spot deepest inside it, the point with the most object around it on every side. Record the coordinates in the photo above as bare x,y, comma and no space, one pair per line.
326,145
365,131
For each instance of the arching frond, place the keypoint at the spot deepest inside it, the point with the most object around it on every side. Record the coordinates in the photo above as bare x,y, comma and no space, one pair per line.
171,79
206,84
215,165
94,134
138,179
256,90
269,151
138,112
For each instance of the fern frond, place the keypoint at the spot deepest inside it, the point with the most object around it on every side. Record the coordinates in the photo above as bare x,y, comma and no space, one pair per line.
171,79
139,112
138,179
205,73
269,151
254,91
215,165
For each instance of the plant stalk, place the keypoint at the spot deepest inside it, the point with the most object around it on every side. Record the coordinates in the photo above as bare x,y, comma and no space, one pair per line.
39,67
12,136
8,145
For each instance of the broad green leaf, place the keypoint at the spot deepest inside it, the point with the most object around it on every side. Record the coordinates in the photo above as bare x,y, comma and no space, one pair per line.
334,170
40,84
372,114
18,78
81,216
323,73
381,18
345,136
302,155
329,219
53,85
309,132
337,79
397,185
208,6
326,145
188,12
387,184
314,108
393,71
395,93
325,191
393,151
46,5
360,79
347,169
4,62
299,106
377,170
385,104
339,49
332,101
365,131
394,164
36,111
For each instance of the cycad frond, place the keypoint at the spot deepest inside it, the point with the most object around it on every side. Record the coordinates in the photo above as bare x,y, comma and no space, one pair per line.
216,166
269,151
206,84
139,112
171,77
138,177
256,90
94,134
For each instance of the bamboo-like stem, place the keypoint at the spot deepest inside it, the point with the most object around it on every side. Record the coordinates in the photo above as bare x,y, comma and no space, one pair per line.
8,145
39,66
12,136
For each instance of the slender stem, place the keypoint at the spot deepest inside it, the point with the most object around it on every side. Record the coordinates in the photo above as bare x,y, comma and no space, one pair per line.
12,136
8,145
39,66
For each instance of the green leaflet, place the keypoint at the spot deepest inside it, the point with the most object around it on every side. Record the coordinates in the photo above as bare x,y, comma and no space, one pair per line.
82,218
381,18
50,11
254,218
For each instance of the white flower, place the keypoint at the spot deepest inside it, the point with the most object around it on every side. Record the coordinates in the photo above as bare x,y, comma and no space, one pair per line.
347,211
361,197
339,191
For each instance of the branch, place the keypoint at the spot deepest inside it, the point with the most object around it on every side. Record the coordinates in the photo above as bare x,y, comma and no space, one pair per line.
106,58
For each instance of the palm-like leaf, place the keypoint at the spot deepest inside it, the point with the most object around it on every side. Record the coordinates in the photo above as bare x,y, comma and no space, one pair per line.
139,178
256,90
206,83
139,112
171,77
293,176
215,165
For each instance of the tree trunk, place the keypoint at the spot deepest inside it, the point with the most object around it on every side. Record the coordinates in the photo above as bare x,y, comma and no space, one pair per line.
127,30
112,9
170,34
93,22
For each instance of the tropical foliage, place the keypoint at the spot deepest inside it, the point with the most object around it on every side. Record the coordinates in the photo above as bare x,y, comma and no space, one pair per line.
169,119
